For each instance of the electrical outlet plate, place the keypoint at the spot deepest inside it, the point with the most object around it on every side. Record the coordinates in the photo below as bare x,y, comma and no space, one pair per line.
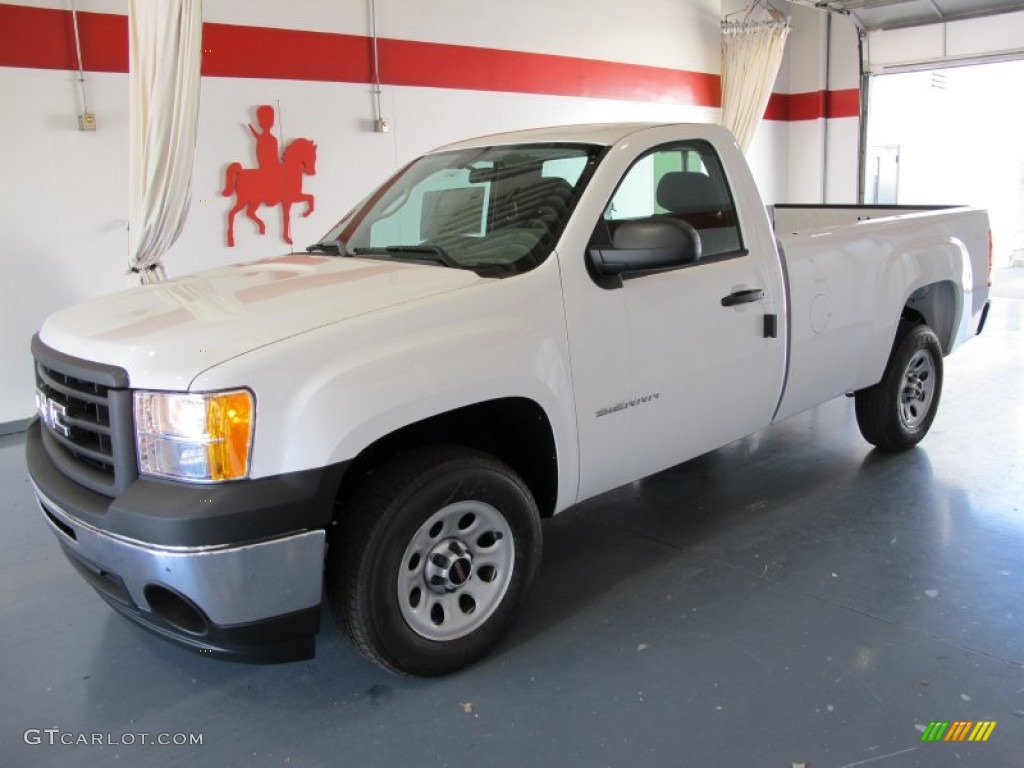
87,121
383,125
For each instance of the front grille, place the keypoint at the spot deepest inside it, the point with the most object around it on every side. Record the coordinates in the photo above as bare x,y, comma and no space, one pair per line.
86,419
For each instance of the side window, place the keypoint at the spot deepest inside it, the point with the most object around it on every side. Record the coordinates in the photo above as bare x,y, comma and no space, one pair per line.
682,181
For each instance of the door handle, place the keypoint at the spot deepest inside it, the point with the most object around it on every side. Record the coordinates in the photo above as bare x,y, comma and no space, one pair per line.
743,297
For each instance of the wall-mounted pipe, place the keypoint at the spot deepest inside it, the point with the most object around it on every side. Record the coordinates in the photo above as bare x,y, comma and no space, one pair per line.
865,95
379,123
825,110
86,114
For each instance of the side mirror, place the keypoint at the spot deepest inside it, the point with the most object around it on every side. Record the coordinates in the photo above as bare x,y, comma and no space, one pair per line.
647,244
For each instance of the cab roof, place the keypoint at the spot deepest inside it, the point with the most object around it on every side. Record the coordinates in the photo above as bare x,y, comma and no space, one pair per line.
603,134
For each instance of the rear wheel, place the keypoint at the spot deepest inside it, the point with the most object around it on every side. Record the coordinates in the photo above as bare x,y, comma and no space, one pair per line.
897,413
435,560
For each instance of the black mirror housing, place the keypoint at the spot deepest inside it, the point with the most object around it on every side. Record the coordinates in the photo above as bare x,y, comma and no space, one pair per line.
648,244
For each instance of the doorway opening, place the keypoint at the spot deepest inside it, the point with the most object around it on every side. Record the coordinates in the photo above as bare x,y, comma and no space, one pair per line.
951,136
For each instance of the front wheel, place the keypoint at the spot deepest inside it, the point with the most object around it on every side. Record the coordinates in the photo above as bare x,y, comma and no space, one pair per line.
897,412
434,560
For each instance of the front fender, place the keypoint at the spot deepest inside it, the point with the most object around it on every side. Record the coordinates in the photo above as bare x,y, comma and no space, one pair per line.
324,396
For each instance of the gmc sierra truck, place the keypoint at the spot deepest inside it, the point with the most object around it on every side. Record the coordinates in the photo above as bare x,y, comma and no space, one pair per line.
505,327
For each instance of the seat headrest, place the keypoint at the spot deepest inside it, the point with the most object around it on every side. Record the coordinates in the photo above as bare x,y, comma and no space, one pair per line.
687,192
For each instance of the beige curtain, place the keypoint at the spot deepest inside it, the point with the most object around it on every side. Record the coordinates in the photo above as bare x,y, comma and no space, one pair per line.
165,53
751,56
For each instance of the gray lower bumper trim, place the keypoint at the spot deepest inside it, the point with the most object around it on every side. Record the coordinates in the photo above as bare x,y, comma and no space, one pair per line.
231,585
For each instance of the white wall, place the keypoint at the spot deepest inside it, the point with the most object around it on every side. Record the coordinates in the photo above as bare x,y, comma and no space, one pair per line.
63,209
823,153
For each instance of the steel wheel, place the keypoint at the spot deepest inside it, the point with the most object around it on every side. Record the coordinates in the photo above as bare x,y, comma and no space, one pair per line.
439,552
896,413
918,389
456,570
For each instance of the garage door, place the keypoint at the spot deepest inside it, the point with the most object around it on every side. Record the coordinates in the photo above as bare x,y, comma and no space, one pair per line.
943,120
951,135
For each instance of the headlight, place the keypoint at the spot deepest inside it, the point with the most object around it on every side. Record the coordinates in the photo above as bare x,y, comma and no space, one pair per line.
204,437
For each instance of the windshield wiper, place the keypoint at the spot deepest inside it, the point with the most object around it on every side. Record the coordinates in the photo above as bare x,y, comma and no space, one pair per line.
327,246
433,253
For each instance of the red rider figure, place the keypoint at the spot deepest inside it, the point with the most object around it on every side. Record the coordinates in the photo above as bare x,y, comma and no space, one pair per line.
268,157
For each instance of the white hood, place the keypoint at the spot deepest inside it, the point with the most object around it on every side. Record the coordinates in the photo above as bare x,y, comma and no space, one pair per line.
166,334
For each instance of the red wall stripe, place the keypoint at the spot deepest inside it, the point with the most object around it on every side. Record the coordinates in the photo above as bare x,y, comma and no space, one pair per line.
844,103
285,54
43,38
778,107
814,105
407,62
806,106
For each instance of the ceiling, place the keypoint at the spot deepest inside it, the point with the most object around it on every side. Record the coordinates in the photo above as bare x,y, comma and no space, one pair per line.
890,14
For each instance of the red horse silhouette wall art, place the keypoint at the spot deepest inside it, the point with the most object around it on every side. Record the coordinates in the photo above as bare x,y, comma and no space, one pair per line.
275,181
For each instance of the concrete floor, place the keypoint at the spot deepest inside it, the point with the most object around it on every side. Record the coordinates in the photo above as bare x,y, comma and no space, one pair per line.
791,598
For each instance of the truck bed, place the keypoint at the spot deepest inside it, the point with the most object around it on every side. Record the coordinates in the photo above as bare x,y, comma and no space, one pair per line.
795,219
852,269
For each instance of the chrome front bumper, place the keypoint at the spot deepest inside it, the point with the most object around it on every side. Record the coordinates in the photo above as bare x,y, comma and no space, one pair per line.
205,597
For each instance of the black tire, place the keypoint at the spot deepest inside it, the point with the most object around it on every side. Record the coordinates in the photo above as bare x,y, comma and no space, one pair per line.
383,552
897,412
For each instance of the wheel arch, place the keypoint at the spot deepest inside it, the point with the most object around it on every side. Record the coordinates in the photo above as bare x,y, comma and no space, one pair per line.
515,430
937,305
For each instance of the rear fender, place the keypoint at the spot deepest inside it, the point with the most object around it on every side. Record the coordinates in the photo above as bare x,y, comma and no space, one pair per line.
927,276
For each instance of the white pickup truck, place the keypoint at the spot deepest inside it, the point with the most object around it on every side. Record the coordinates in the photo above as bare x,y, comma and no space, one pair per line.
505,327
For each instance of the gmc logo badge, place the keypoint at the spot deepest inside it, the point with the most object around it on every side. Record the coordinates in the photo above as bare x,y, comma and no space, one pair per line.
52,414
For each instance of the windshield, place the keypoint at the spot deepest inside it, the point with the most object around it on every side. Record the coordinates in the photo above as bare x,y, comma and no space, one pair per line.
496,210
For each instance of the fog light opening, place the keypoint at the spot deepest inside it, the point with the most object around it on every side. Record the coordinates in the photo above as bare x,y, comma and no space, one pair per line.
175,609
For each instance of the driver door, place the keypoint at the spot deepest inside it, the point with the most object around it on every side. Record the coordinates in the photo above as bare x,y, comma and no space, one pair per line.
670,364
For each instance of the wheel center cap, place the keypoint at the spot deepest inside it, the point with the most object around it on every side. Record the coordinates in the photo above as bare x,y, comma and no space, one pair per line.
449,566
